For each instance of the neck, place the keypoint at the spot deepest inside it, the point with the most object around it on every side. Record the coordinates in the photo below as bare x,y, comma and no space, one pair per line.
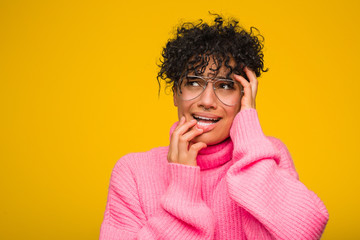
215,155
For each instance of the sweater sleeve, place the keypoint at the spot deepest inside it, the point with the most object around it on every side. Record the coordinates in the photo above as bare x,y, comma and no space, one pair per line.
182,215
263,181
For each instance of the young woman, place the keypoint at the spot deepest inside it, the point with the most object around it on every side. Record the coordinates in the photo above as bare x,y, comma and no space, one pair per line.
220,177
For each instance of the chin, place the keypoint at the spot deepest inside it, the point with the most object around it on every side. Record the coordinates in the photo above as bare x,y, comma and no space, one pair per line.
208,140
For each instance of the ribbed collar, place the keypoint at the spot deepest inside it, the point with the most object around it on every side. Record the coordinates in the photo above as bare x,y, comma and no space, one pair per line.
212,156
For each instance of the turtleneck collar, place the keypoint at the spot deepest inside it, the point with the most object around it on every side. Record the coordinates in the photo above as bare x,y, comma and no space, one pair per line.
212,156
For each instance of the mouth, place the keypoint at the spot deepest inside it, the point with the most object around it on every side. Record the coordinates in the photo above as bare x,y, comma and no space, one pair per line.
205,121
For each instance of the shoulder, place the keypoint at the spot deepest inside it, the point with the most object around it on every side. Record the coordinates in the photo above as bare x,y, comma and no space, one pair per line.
138,168
286,161
279,145
142,160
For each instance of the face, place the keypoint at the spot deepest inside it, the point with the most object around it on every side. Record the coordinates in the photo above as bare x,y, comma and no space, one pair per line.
212,115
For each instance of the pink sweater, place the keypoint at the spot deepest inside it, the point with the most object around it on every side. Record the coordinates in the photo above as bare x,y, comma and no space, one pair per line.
243,188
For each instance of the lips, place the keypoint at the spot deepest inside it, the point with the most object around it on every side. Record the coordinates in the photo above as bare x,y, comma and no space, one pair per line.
206,121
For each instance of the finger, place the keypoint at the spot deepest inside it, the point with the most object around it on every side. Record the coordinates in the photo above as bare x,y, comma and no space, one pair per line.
185,139
247,100
251,75
195,148
253,80
172,153
190,135
241,80
174,140
181,122
246,85
184,128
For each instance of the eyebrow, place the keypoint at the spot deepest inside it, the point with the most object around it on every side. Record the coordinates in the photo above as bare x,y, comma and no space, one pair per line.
223,77
217,77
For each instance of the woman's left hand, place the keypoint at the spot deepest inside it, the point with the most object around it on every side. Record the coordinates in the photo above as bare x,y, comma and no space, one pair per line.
250,89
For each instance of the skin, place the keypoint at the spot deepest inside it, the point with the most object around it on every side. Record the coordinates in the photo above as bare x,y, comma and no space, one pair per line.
188,139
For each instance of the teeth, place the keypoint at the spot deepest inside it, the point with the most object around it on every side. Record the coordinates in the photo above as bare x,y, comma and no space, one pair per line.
204,118
204,124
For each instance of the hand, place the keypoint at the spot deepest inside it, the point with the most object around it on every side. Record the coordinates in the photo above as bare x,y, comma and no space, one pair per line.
250,89
181,150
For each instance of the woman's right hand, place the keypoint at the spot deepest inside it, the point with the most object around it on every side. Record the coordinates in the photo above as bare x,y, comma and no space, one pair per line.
181,149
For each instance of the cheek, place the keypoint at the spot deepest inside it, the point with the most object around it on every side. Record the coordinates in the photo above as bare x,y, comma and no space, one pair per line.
183,109
237,109
231,113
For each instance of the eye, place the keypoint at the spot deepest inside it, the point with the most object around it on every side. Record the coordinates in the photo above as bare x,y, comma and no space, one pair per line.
193,81
226,85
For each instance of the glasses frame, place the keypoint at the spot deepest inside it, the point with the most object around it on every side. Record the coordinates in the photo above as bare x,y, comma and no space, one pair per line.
213,81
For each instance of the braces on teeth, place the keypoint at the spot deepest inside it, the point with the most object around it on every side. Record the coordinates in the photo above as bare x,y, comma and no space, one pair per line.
204,124
204,118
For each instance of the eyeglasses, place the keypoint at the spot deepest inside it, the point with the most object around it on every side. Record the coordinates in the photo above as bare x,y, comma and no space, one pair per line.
229,92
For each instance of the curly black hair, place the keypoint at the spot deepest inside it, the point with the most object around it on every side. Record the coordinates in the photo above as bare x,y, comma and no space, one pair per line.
195,44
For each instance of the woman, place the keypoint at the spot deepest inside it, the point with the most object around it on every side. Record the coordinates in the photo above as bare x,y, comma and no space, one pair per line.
220,177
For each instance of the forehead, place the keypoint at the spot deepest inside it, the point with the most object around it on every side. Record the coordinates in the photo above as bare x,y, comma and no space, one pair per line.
211,65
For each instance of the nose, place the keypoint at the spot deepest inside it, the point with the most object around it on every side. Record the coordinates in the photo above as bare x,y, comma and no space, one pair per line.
208,99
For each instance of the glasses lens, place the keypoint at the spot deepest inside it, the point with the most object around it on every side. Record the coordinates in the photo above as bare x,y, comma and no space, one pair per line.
191,87
228,91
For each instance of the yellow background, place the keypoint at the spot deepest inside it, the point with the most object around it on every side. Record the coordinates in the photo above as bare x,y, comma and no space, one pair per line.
78,91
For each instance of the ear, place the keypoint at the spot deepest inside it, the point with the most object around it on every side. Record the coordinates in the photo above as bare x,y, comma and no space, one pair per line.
175,98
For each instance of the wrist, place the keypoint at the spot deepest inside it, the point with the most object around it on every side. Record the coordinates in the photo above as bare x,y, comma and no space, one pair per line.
246,126
185,182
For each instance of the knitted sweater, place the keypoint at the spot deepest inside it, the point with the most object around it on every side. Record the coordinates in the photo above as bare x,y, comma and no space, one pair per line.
243,188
